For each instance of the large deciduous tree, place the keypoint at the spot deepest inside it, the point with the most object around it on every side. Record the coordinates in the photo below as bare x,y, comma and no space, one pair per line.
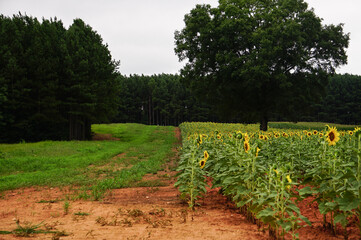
256,57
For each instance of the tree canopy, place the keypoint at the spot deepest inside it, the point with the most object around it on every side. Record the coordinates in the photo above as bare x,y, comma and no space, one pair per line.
54,82
253,58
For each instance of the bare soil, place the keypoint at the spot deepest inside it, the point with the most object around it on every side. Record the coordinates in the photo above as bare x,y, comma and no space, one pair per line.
139,213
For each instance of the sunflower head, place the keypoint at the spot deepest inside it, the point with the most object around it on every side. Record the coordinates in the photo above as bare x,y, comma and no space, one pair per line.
350,133
238,135
289,179
277,135
202,163
206,155
261,137
309,134
332,136
315,132
246,146
246,137
200,139
357,131
257,151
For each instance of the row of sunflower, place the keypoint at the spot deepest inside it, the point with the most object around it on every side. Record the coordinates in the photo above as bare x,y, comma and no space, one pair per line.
265,173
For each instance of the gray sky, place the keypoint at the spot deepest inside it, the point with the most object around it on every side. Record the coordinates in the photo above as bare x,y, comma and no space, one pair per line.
140,33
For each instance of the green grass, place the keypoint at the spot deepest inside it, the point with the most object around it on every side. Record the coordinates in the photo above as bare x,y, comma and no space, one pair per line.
61,163
309,125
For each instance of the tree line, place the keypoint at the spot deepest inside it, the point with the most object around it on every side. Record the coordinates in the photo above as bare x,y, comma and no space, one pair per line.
165,100
160,99
54,82
341,103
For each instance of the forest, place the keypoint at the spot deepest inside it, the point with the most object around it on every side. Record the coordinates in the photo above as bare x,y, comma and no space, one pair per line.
56,82
164,100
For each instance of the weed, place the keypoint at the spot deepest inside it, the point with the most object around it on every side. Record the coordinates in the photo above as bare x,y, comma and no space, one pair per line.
158,212
127,222
66,207
101,221
135,213
81,214
27,230
82,195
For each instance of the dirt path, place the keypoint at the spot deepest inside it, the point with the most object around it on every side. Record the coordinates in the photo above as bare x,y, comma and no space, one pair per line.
132,213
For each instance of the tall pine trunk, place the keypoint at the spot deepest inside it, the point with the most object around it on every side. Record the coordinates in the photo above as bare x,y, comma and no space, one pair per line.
79,128
264,122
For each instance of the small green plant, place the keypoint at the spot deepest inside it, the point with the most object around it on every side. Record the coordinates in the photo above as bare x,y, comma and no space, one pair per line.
81,214
27,230
135,213
66,207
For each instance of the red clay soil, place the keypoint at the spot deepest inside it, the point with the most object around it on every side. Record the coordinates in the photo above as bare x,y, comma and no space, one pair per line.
138,213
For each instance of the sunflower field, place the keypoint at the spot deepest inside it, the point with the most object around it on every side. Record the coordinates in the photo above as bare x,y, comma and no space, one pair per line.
266,174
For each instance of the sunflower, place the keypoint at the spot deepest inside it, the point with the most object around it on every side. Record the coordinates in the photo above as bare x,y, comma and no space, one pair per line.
289,179
321,135
246,137
357,131
277,135
239,135
284,134
261,137
315,132
350,133
246,146
332,136
202,163
257,151
309,134
206,155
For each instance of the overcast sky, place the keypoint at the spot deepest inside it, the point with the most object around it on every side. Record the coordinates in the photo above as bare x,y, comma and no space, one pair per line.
140,33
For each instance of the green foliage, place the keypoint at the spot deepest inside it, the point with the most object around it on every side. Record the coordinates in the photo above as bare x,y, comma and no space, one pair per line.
308,126
159,100
341,103
27,230
62,163
54,82
252,58
265,178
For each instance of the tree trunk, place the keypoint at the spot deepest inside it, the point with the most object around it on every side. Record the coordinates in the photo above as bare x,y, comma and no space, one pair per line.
264,123
149,111
79,128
